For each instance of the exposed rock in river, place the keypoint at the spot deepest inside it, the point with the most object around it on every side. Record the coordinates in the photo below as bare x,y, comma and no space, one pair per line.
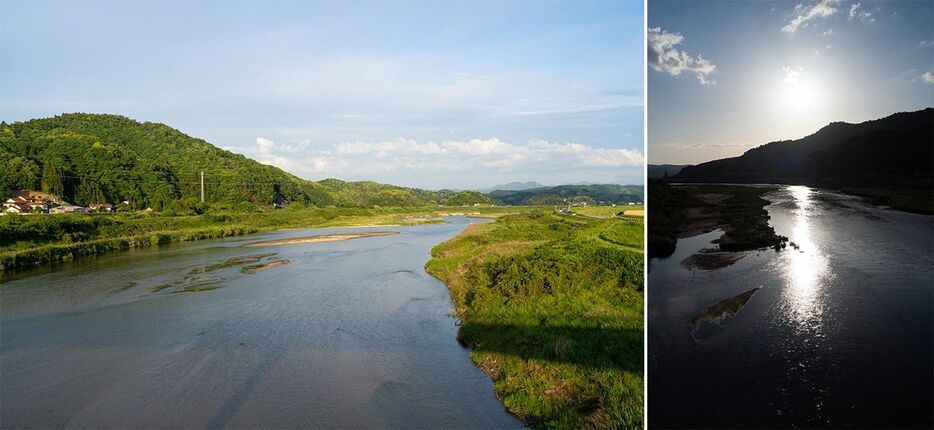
712,260
724,309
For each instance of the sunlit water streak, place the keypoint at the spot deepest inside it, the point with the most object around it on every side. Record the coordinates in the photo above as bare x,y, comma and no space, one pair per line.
805,267
837,336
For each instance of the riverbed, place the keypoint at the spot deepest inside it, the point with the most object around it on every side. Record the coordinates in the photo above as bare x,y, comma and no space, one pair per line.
838,333
339,334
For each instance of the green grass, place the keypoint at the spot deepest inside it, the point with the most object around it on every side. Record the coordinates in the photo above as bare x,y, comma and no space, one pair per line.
552,307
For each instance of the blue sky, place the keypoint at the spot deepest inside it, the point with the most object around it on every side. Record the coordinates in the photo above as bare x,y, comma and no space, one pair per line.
729,76
428,94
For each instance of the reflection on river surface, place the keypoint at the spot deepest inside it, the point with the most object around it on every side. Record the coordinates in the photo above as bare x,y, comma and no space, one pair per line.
839,334
347,334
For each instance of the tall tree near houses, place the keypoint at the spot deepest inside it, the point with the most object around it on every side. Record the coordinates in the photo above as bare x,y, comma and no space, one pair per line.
52,179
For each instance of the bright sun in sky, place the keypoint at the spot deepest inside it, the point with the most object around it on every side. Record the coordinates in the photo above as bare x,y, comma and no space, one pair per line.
798,96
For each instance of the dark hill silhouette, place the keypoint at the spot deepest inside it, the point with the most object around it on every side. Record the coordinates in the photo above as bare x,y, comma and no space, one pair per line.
894,153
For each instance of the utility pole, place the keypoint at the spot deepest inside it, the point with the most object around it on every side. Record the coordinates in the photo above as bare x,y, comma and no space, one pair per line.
202,187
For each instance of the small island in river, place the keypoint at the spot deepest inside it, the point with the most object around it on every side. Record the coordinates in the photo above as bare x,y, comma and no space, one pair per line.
322,238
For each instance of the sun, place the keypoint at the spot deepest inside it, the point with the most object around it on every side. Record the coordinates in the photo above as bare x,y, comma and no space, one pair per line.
798,95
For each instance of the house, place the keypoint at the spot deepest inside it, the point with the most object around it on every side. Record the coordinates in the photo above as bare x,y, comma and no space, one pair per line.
100,207
12,210
64,209
25,205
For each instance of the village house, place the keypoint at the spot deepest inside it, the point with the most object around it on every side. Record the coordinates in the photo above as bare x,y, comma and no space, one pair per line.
100,207
64,209
25,205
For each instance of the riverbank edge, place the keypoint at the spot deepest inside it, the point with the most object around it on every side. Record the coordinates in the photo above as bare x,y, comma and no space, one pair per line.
678,212
438,267
30,258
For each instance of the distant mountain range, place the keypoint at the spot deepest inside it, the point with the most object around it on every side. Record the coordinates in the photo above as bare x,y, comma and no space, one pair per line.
593,194
890,159
513,186
658,171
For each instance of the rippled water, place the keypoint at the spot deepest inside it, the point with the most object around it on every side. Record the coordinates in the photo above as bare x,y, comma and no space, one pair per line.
349,334
840,333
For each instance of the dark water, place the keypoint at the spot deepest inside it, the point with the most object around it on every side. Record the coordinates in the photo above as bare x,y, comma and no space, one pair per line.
839,335
350,334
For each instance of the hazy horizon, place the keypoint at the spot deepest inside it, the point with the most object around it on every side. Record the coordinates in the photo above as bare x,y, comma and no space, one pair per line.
725,77
429,95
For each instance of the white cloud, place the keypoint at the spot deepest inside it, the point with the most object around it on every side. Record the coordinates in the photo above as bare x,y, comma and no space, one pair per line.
664,57
792,76
828,32
862,15
366,159
928,77
803,14
926,43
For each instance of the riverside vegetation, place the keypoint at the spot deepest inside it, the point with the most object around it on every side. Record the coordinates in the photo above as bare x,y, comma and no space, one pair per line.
552,307
37,240
96,158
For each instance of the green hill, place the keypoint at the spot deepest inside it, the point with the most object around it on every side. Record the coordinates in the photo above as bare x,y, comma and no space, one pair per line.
593,194
368,193
94,158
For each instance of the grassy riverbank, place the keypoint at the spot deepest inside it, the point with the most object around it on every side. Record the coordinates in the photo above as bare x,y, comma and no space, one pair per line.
552,307
37,240
683,211
609,211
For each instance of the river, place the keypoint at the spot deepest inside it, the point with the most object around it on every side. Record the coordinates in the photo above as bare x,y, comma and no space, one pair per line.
349,334
839,333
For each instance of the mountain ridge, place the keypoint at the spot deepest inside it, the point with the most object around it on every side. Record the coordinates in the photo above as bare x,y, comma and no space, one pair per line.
889,159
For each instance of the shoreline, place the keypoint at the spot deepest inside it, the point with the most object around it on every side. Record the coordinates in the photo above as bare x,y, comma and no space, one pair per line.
691,209
321,238
46,255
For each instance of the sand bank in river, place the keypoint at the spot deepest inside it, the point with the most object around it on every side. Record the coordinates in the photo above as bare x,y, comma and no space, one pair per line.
322,238
265,266
712,260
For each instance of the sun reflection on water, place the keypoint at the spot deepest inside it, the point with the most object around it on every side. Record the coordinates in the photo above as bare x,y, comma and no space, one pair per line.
806,271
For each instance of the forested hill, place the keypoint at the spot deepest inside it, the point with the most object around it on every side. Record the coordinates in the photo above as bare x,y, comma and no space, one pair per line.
94,158
592,194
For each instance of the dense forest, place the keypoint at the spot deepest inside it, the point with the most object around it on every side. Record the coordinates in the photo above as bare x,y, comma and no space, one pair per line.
94,158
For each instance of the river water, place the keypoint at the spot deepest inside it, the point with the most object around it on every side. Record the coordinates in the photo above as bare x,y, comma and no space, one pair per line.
349,334
839,334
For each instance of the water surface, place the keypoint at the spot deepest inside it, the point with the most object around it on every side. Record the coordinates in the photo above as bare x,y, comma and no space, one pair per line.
839,334
349,334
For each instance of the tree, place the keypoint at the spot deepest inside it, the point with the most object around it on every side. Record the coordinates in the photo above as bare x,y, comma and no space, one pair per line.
52,179
21,174
89,192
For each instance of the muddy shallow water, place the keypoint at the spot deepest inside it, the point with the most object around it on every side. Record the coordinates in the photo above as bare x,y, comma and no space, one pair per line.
347,334
838,334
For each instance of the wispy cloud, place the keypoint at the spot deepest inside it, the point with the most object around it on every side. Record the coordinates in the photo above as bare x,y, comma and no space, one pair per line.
926,43
928,77
492,155
792,76
664,57
805,13
860,14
